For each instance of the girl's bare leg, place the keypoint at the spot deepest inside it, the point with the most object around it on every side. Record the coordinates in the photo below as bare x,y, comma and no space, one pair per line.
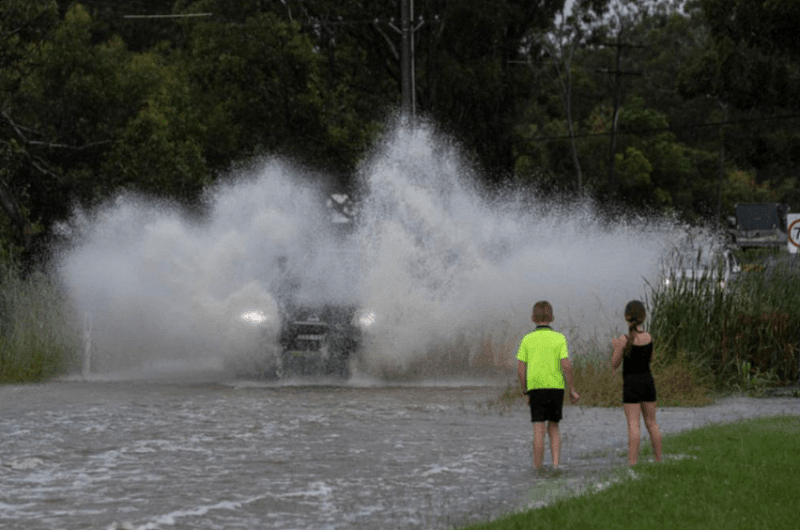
632,415
649,413
555,441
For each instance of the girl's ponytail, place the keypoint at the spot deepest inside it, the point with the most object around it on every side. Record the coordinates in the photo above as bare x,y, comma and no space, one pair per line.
635,314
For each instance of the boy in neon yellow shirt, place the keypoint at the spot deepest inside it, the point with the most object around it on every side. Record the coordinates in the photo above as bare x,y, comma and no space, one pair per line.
542,365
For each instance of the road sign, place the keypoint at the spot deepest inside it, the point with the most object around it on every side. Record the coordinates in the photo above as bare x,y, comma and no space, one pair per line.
793,223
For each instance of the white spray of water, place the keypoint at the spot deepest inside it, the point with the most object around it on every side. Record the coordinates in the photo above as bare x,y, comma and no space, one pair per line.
446,263
442,264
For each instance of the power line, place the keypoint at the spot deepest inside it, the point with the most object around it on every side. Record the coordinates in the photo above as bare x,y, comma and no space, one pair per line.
186,15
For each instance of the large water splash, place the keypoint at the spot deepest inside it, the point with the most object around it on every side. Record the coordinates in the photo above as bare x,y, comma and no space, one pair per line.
444,268
446,264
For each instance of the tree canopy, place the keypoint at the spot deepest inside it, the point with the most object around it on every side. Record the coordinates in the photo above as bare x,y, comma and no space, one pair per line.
665,106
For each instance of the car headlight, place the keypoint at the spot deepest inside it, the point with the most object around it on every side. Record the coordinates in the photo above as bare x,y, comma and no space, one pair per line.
365,319
254,317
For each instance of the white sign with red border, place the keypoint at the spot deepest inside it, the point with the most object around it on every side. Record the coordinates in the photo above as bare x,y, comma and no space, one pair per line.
793,225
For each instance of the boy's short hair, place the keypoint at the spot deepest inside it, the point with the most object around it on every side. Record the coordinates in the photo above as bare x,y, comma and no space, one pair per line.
542,311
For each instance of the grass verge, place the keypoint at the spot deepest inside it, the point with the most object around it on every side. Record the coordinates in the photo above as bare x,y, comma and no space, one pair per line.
735,476
37,338
678,383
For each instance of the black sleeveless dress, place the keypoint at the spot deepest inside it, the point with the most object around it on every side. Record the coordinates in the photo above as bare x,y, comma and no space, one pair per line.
638,385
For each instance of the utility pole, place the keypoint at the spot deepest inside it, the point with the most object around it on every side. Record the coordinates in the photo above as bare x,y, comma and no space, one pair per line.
619,45
406,85
407,81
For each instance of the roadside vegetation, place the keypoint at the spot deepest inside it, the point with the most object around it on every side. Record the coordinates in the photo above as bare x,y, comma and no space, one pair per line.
735,476
741,337
712,339
38,339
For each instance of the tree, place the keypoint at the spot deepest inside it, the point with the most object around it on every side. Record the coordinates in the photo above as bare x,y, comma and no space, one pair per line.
82,120
571,30
470,81
256,77
750,67
23,26
769,25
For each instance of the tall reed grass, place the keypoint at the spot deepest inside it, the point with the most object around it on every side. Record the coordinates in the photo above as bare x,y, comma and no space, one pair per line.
678,382
743,336
37,336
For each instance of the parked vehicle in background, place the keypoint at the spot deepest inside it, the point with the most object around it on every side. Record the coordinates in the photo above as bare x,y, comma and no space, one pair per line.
692,268
759,225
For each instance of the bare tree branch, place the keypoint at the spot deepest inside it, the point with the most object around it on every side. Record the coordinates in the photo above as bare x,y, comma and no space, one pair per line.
40,143
14,126
53,145
392,47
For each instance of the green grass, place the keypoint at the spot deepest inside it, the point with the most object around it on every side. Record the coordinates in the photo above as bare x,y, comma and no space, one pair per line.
743,475
38,339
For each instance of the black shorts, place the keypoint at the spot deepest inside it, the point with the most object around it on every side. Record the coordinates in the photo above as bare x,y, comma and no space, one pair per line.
546,404
638,388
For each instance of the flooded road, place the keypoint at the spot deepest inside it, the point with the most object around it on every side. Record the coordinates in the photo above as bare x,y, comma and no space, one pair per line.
212,455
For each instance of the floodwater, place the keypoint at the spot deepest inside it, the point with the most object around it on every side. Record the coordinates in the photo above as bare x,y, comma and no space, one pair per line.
212,454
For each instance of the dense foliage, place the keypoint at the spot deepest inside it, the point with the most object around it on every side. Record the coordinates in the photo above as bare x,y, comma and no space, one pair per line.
163,96
742,336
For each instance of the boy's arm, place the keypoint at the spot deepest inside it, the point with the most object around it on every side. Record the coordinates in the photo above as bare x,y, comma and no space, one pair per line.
566,368
522,374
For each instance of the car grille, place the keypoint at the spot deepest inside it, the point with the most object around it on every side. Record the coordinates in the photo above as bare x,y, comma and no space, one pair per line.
306,335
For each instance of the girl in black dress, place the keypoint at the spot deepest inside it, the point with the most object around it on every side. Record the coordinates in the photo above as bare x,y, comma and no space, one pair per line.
635,352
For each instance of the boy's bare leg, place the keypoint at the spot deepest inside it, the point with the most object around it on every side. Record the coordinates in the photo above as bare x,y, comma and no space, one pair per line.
632,415
649,413
555,441
538,444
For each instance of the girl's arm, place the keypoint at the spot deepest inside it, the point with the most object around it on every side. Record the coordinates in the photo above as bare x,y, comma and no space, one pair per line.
619,345
653,356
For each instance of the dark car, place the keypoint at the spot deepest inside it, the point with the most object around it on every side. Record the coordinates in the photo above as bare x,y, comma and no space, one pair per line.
318,323
308,330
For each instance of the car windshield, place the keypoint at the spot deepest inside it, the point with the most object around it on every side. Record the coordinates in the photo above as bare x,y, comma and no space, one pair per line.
332,275
759,216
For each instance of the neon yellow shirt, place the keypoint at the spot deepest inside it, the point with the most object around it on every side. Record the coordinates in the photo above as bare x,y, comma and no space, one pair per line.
542,350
